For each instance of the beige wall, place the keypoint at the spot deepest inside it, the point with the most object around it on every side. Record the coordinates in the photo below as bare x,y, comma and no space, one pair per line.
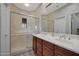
44,23
16,18
18,44
50,22
19,40
37,13
16,23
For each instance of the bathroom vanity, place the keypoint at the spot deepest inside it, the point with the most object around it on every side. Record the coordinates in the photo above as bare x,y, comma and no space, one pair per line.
47,45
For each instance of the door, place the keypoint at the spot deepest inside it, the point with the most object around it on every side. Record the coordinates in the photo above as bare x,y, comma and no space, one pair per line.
5,29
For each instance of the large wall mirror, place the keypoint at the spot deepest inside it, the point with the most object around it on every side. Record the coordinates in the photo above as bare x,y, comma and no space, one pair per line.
75,23
67,25
60,25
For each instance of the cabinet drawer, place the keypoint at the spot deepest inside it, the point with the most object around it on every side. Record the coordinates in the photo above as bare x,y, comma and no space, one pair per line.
47,44
64,52
47,51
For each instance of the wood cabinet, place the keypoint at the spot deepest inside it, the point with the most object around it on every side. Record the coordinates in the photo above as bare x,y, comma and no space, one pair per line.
35,45
45,48
39,47
59,51
48,49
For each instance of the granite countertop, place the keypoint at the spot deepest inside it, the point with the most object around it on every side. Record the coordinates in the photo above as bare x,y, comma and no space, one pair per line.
71,44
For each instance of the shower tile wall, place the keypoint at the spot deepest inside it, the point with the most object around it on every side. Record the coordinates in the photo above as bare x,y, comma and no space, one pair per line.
21,40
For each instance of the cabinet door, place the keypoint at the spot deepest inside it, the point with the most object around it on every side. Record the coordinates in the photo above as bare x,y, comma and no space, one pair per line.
39,47
64,52
35,45
48,44
48,49
5,29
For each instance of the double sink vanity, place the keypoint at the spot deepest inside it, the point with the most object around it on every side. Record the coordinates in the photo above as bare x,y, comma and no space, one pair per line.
48,44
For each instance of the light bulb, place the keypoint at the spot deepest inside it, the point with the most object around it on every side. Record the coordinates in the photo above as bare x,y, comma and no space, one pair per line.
27,4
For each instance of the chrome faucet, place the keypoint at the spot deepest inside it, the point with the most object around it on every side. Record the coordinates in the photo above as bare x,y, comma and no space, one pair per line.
69,37
64,36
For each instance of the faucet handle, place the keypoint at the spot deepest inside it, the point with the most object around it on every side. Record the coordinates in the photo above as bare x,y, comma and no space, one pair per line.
69,38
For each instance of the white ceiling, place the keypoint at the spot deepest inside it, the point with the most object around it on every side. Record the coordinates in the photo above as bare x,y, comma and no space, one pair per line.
52,8
32,6
44,10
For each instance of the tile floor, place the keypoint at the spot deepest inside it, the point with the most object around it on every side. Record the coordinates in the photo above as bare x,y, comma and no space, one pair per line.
28,52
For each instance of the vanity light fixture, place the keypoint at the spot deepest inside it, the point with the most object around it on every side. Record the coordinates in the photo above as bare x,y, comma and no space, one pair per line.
27,4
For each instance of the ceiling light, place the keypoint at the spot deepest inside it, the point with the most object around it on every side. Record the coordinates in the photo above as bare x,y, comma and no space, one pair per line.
26,4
